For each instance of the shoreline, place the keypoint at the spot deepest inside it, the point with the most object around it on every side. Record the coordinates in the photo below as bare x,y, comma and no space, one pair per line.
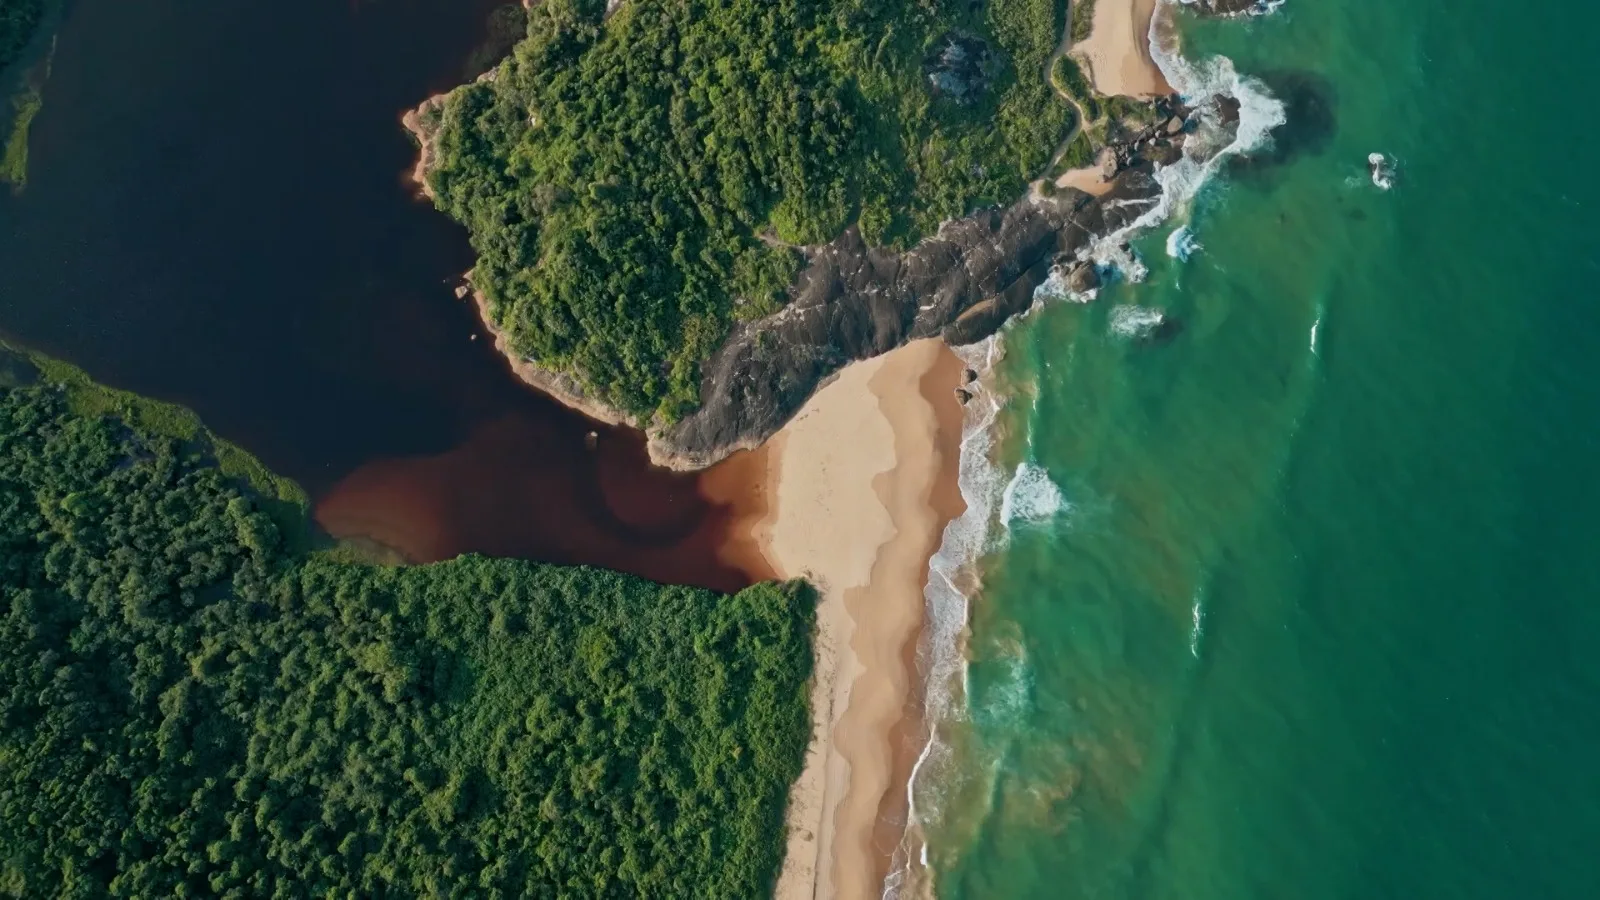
1116,54
559,387
861,519
854,492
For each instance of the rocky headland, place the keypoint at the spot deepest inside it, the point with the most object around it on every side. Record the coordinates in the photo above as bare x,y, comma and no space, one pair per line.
852,301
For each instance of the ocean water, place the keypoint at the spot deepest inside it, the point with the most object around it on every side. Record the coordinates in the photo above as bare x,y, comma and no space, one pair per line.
1292,581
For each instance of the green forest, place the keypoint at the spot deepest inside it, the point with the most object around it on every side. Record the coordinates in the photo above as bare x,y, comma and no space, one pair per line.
636,184
193,704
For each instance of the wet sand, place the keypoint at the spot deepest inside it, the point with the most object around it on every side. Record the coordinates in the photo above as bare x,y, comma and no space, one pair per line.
859,488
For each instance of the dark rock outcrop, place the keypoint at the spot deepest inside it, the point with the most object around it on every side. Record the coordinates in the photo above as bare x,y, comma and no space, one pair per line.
1310,104
853,302
961,68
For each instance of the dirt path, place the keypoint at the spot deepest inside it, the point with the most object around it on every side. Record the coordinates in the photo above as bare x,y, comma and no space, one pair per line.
1079,119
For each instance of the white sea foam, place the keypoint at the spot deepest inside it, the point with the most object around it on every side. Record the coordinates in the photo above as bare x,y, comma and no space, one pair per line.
1259,8
1316,324
1010,696
1197,630
1030,496
994,501
1382,169
1054,287
1135,321
964,541
1206,149
1182,244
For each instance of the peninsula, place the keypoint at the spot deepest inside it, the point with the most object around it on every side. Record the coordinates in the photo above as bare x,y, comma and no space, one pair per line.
689,217
753,232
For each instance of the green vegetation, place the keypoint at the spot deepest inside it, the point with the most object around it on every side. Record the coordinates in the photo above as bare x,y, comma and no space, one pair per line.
14,162
634,185
1080,152
188,707
1068,78
1082,19
1127,110
1103,114
280,497
19,19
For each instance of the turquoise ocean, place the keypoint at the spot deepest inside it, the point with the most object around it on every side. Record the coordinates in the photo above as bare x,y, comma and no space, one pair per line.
1290,551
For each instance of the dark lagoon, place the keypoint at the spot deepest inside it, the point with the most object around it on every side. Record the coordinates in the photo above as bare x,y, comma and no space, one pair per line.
219,214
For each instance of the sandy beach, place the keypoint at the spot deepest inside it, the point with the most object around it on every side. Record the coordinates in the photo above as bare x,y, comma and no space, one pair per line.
859,486
1092,179
1117,51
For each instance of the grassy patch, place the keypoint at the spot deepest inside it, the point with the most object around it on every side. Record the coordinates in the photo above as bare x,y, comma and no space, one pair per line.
1082,20
1079,153
1133,112
14,164
1068,78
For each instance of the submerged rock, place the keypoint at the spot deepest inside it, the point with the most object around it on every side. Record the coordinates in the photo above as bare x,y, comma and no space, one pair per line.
1310,104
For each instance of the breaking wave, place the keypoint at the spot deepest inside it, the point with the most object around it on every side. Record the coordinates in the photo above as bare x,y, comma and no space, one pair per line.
1135,321
1208,147
993,500
1382,169
1030,496
1182,244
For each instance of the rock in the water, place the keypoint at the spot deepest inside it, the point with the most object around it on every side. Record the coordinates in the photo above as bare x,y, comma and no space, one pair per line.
963,395
970,375
1227,109
1230,7
1083,277
1163,153
1168,328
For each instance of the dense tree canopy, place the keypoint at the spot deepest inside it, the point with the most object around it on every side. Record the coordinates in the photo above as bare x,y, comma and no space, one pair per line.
189,708
634,184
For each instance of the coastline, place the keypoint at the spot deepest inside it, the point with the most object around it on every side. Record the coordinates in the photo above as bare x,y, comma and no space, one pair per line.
855,490
861,519
1116,54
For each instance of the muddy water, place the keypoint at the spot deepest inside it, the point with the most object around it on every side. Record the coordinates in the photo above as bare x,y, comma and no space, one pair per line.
218,214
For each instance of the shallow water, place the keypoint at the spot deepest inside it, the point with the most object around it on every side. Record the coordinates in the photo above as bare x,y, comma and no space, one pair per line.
1316,614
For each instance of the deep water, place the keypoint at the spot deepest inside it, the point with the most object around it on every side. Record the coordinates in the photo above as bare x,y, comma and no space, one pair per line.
218,213
1318,615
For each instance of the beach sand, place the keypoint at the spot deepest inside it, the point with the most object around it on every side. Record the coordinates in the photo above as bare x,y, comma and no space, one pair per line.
859,487
1117,52
1092,179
